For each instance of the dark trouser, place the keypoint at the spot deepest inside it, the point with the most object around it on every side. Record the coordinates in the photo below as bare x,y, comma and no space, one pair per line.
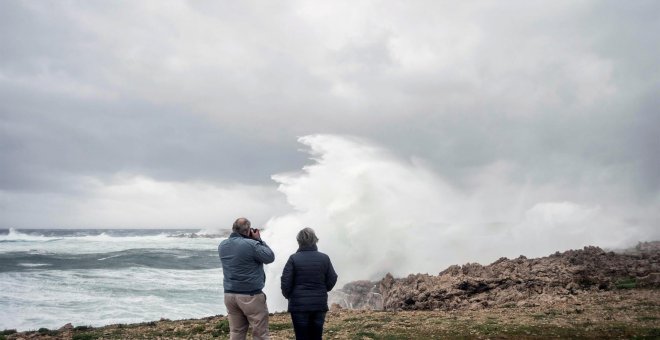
308,325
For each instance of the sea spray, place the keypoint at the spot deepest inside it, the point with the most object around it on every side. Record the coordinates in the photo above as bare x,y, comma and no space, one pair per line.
375,213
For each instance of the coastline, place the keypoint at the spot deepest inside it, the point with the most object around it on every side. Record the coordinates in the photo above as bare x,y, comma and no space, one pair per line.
623,313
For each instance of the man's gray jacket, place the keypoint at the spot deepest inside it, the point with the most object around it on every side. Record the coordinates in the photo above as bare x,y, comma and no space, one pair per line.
243,261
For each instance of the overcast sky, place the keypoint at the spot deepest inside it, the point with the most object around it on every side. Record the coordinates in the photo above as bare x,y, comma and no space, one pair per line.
176,114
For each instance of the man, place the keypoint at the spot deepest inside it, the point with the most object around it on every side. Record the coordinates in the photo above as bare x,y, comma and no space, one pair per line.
243,256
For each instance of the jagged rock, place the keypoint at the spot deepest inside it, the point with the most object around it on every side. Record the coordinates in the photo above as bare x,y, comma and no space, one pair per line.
522,281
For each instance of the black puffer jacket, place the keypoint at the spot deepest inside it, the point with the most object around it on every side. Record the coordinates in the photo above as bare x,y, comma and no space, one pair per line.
306,280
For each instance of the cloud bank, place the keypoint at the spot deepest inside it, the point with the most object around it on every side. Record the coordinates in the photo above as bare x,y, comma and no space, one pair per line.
174,113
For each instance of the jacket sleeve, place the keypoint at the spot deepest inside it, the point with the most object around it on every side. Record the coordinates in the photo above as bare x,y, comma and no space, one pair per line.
287,278
263,253
330,276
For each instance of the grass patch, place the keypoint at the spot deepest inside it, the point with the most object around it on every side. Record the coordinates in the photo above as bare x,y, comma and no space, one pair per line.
552,312
362,334
8,332
181,333
84,336
489,327
395,337
222,326
352,319
199,329
626,283
647,318
280,326
385,319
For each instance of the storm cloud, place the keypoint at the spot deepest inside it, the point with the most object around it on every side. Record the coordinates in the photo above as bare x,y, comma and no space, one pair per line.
174,102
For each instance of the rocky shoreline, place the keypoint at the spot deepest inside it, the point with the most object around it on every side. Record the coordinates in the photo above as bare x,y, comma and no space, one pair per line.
544,281
588,293
624,313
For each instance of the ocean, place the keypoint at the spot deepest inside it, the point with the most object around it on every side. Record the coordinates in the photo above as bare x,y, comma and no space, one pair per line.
97,277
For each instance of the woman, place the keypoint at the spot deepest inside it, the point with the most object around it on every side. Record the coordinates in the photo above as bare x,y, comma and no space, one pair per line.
306,280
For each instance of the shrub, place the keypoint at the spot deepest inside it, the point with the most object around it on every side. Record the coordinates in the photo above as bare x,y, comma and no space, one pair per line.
46,331
223,326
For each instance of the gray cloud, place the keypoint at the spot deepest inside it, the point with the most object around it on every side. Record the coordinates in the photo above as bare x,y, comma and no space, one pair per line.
218,92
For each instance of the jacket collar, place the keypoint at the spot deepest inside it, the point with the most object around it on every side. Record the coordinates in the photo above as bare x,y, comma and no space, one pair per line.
308,248
235,234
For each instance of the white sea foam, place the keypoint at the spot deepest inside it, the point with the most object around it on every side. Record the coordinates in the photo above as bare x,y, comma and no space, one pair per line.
15,235
375,213
86,244
52,298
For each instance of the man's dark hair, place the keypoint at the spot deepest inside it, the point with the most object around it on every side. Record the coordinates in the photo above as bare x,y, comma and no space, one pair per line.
241,226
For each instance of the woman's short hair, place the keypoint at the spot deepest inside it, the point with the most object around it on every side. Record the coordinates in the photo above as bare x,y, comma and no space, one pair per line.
307,237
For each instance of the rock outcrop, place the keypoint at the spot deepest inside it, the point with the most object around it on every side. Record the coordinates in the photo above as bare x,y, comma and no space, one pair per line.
521,281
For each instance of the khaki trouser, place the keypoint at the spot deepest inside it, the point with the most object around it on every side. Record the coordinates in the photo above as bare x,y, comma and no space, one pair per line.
247,310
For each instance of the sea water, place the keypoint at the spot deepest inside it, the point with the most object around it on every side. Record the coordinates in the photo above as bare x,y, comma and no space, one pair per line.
97,277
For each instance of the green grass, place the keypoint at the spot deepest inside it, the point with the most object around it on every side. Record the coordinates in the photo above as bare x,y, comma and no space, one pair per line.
362,334
385,319
280,326
489,327
84,336
181,333
395,337
626,283
222,327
